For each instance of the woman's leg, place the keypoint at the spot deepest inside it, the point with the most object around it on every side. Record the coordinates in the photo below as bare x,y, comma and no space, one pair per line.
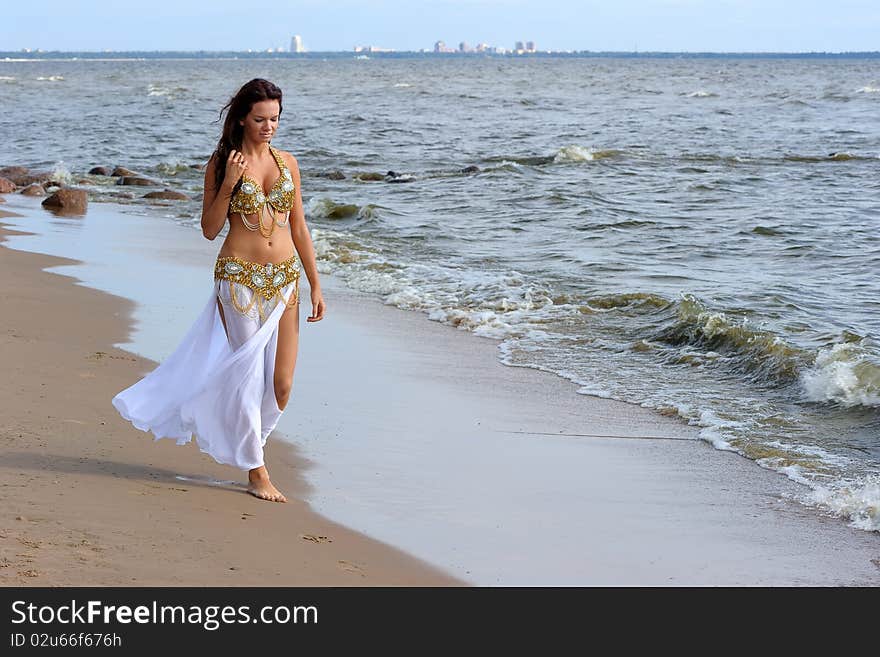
285,362
285,354
240,330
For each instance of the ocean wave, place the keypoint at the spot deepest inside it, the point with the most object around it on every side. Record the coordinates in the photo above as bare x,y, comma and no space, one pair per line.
608,302
490,304
844,374
60,173
326,208
572,153
868,89
160,90
51,78
172,167
856,500
575,153
762,355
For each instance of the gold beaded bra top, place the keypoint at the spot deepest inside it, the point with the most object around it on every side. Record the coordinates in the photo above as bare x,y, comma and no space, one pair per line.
250,199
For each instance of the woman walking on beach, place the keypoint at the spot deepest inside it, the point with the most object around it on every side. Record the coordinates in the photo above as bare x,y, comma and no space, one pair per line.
230,378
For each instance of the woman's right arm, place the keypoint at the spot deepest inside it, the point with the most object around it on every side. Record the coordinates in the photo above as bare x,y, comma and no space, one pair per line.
215,203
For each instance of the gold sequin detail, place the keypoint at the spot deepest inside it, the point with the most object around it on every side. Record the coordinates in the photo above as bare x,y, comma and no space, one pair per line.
250,199
266,281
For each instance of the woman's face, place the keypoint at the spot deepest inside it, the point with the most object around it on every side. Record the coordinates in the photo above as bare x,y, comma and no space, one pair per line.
261,122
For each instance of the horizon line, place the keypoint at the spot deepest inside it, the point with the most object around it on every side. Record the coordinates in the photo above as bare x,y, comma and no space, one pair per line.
40,51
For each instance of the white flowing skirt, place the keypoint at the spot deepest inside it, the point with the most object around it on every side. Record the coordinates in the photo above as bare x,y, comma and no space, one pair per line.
219,389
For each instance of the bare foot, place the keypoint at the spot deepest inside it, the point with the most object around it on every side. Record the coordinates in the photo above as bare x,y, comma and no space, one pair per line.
260,486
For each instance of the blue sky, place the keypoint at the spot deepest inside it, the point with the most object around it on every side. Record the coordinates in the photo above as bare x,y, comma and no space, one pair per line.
679,25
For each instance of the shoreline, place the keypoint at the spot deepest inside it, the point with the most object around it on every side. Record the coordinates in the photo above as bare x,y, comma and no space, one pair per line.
502,490
66,452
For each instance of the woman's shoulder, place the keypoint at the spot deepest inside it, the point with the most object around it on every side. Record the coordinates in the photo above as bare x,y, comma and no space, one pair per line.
288,158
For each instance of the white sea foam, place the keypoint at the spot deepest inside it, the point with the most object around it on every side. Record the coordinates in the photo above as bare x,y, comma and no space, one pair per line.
160,90
574,153
577,153
702,94
868,89
51,78
856,500
61,173
843,374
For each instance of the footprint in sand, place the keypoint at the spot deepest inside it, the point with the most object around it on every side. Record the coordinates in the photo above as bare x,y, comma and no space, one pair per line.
315,539
350,567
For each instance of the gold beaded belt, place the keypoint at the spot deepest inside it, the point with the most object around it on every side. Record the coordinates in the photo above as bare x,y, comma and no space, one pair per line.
266,280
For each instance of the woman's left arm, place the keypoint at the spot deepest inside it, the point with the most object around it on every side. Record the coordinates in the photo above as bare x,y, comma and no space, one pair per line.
302,240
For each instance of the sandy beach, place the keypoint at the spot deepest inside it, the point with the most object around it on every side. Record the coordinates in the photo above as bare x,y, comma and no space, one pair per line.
485,474
87,500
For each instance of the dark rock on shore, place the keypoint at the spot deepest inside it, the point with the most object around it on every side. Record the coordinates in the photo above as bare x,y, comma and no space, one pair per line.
168,194
34,189
8,172
136,180
99,171
68,201
6,186
25,179
122,171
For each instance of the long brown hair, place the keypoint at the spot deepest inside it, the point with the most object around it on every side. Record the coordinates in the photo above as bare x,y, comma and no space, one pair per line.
238,108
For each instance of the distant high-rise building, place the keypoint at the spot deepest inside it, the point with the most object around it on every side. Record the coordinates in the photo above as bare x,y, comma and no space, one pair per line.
296,44
439,46
464,47
518,46
530,46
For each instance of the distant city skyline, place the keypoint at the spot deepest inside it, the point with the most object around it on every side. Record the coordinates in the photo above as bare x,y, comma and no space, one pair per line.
556,25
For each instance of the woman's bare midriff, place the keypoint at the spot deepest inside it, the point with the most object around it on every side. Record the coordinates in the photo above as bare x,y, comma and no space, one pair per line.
253,247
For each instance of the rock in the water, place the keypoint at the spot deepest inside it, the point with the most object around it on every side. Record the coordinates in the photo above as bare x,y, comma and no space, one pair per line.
335,174
369,175
73,201
394,177
473,168
136,180
168,194
6,186
100,171
34,189
8,172
25,179
122,171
